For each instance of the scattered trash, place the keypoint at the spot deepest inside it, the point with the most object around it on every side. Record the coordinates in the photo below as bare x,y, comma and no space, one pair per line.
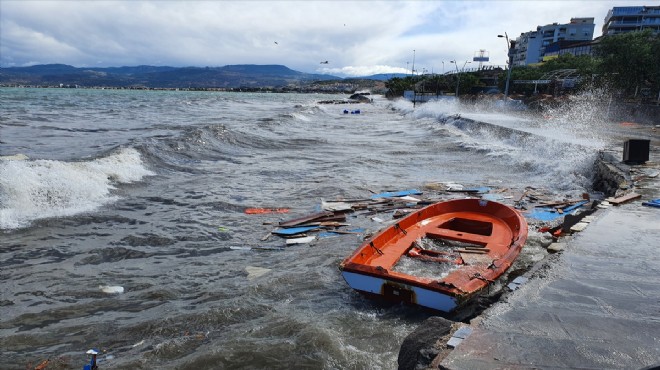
255,272
42,365
544,213
111,289
396,194
303,240
258,211
313,217
517,282
294,230
336,206
480,190
623,199
331,233
458,336
92,362
652,203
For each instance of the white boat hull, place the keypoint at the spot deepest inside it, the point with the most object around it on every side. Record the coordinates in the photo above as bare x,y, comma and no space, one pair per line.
420,296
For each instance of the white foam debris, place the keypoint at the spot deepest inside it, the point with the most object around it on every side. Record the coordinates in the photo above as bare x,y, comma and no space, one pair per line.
302,240
111,289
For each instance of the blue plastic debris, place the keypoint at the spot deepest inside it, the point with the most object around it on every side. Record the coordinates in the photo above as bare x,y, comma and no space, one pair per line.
394,194
517,282
492,197
652,203
458,336
551,214
92,361
327,234
294,230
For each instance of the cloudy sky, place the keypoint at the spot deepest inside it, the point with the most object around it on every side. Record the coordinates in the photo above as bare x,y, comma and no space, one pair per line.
354,37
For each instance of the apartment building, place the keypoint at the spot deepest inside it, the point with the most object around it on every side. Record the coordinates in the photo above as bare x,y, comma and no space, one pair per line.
530,46
621,19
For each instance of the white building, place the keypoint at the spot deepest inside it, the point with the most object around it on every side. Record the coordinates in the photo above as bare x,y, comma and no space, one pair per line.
530,46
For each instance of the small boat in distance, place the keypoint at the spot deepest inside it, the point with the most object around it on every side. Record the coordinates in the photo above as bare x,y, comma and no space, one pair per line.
440,256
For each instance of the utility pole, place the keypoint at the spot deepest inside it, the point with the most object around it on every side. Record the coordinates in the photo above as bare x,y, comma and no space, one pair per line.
511,45
413,70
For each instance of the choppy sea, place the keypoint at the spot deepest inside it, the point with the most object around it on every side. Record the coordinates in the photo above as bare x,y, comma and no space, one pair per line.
123,224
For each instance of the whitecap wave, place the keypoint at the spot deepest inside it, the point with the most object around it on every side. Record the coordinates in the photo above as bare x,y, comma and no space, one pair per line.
37,189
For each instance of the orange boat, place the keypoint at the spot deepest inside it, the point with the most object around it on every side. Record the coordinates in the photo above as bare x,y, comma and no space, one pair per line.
440,256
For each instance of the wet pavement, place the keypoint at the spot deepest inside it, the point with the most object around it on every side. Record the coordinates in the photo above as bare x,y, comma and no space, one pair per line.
594,305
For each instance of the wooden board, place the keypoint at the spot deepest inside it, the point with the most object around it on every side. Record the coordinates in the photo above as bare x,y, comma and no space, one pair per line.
624,199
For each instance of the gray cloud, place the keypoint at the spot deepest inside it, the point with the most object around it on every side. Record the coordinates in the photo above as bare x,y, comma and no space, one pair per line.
355,37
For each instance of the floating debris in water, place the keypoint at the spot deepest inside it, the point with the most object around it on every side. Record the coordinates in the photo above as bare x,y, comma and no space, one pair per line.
111,289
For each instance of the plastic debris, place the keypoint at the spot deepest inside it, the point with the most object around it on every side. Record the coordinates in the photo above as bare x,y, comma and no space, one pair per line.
259,211
392,194
652,203
114,289
458,336
303,240
517,282
294,230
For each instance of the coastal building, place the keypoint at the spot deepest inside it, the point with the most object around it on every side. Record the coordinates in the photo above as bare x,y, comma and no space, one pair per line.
622,19
531,46
568,47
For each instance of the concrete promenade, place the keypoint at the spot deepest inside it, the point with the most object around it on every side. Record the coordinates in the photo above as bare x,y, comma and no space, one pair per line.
595,305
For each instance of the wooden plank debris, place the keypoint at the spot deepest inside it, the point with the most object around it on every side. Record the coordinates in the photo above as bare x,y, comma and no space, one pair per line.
623,199
300,220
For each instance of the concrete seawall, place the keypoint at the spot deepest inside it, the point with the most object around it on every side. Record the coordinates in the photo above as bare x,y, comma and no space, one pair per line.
590,306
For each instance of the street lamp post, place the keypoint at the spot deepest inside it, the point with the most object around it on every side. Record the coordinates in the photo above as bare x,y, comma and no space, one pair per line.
458,75
511,44
413,70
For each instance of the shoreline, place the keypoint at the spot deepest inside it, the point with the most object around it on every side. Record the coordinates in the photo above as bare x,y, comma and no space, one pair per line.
615,178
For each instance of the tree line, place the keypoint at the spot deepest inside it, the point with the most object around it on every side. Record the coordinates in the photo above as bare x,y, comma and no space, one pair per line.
628,64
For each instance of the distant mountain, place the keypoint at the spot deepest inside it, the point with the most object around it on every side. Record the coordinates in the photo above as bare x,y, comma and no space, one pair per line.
231,76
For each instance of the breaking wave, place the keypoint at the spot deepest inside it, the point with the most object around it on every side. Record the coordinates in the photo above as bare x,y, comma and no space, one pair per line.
39,189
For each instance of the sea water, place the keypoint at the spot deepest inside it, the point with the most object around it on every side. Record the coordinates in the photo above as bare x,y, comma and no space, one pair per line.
122,223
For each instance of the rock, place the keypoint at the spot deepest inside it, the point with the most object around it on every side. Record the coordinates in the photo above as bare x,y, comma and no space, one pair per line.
361,98
556,247
418,349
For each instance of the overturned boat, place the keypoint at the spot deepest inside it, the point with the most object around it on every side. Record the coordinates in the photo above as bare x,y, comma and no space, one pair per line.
440,256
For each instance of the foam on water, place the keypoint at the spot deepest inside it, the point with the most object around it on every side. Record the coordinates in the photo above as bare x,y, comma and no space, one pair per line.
37,189
561,144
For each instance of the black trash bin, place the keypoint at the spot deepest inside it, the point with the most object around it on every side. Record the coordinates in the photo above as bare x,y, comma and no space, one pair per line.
636,150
